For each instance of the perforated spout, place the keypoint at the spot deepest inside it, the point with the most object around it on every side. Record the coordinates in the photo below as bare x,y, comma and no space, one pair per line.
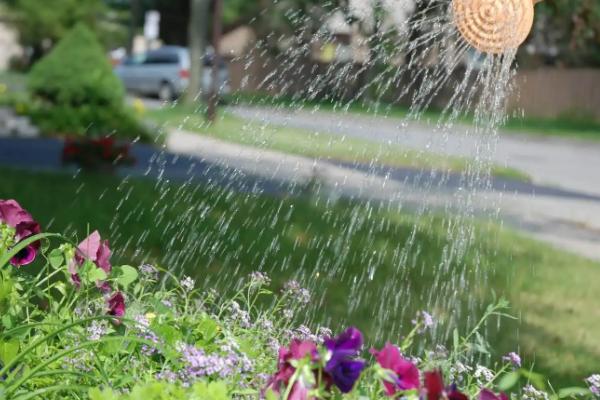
494,26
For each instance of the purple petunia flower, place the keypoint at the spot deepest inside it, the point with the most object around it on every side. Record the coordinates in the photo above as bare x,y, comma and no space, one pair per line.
406,374
94,249
13,215
116,305
487,394
343,365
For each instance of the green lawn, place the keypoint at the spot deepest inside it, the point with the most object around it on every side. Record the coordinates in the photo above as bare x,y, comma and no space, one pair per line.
314,144
219,236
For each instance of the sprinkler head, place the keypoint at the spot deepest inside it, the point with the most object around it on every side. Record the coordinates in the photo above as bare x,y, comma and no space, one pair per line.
494,26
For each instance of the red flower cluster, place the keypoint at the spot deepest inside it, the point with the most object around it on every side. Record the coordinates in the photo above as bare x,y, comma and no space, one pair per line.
95,152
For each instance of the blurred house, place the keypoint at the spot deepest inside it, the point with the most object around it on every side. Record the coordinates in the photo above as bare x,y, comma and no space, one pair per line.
9,45
339,41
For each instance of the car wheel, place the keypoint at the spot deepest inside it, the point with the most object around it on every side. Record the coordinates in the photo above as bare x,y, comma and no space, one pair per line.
166,92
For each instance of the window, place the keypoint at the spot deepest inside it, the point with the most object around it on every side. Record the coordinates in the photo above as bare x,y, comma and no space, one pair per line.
161,57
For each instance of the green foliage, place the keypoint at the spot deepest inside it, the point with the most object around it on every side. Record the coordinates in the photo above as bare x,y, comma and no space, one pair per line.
77,72
573,27
273,18
41,20
57,339
166,391
76,91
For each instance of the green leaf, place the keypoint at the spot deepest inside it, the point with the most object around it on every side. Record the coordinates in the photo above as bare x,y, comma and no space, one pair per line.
536,379
168,333
208,329
7,321
573,392
508,381
126,275
8,351
271,395
210,391
85,270
56,258
456,339
106,394
96,274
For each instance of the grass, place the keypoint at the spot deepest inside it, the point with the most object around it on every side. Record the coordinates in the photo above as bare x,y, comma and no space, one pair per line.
218,236
315,144
570,125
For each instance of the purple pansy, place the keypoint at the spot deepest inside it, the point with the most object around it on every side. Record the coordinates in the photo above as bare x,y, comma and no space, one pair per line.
116,305
13,215
94,249
406,374
343,366
487,394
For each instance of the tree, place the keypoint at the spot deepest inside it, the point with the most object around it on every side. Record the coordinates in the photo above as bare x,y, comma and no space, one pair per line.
41,25
76,91
197,29
567,32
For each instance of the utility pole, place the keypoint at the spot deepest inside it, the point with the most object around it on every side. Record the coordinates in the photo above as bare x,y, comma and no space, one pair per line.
197,47
211,112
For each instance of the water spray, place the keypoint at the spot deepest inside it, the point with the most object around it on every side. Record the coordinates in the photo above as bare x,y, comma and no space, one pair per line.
494,26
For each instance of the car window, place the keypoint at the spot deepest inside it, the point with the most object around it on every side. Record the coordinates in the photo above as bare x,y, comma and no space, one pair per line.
161,58
133,60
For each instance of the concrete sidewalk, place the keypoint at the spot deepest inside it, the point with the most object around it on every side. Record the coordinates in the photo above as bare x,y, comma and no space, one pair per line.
562,163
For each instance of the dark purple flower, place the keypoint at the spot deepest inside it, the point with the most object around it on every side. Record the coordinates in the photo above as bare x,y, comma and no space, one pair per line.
94,249
487,394
13,215
406,374
343,367
116,305
433,386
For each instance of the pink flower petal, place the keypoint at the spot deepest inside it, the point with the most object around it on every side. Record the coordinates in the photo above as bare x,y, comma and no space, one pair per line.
90,246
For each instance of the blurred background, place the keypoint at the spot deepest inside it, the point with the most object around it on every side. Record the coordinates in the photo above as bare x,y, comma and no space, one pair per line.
358,146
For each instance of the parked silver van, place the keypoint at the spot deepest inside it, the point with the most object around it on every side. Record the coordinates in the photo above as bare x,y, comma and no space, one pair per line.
165,73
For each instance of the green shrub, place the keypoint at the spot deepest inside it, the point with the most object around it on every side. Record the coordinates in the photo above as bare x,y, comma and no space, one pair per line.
78,92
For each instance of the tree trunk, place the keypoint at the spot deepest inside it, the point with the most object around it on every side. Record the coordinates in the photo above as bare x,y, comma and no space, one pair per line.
374,41
211,112
199,10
